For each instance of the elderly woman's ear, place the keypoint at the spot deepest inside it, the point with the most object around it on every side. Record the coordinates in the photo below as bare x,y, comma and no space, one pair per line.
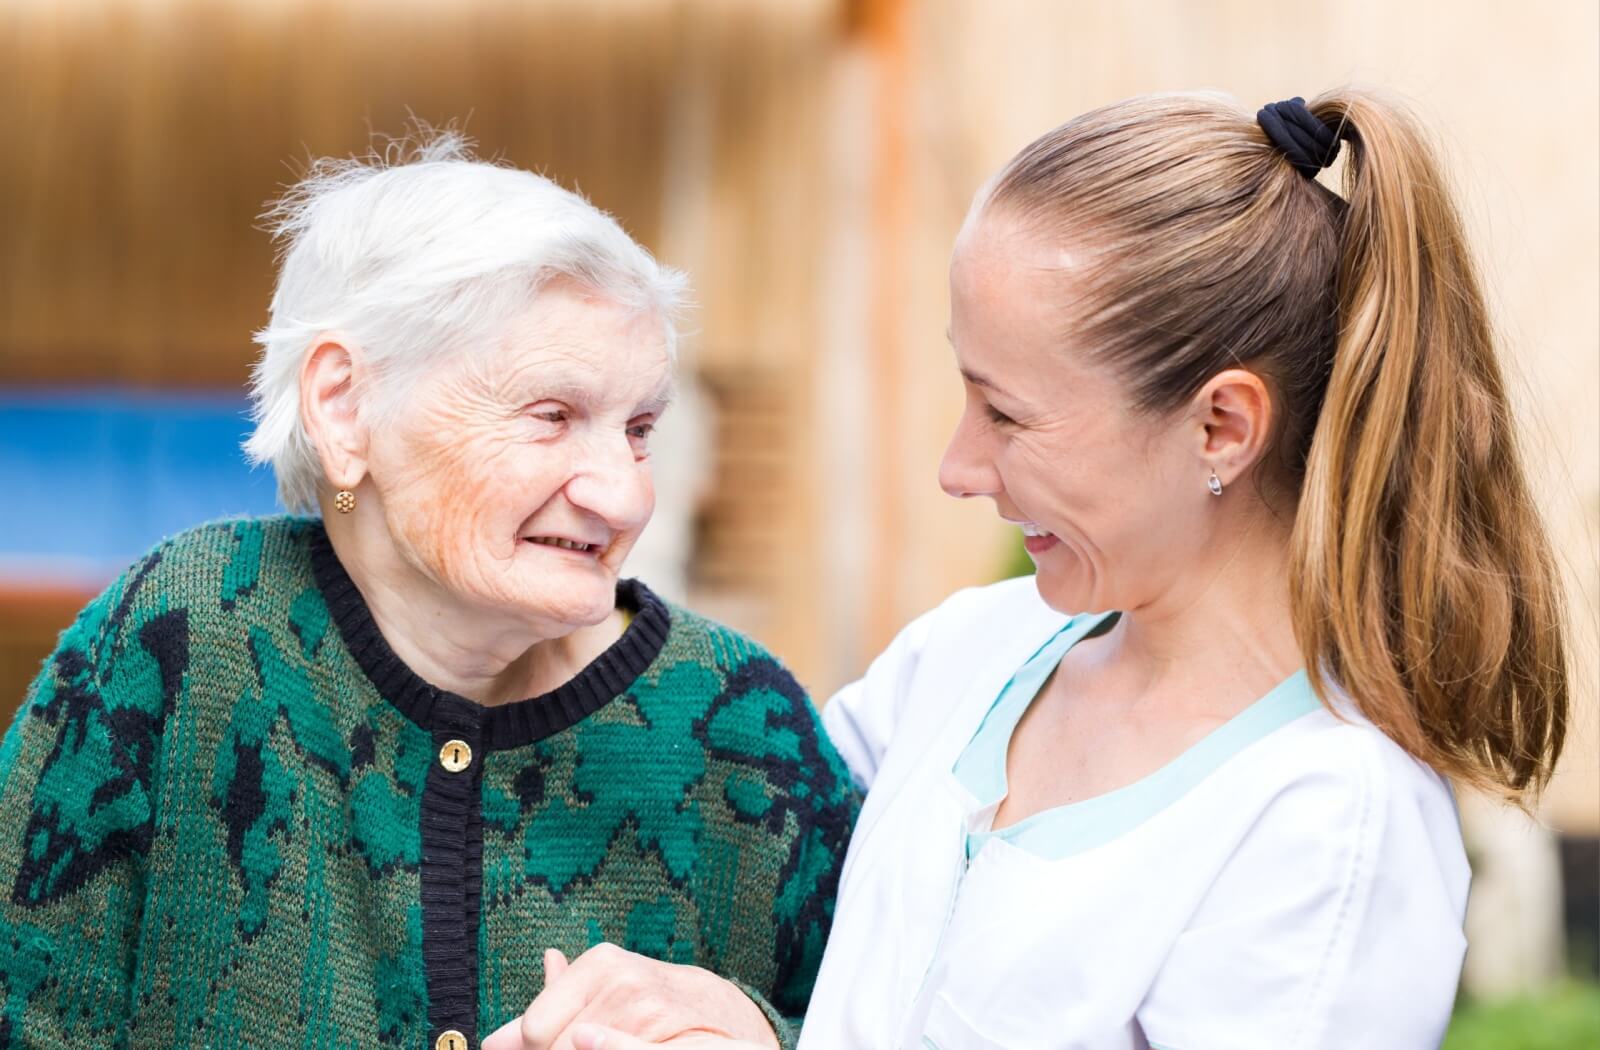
329,411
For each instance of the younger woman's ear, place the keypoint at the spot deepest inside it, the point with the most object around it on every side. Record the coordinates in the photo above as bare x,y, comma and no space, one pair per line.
329,411
1234,410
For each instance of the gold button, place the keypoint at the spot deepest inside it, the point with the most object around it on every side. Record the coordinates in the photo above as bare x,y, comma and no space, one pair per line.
455,756
452,1039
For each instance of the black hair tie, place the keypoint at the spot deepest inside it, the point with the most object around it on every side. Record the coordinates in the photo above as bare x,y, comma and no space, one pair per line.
1309,144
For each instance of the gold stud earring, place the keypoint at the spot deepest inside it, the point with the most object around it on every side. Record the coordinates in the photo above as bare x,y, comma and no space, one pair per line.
1213,483
345,501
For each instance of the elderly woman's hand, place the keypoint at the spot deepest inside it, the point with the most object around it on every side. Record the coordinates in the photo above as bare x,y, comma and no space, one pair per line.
616,999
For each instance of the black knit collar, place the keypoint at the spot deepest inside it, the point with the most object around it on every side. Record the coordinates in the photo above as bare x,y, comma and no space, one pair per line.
504,725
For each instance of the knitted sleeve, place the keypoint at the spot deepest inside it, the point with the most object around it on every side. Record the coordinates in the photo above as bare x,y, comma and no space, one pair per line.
77,770
804,796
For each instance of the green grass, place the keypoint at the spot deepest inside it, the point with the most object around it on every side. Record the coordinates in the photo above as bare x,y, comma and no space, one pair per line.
1566,1018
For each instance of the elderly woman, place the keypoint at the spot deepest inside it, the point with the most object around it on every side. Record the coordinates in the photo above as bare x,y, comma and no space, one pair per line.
342,781
1188,786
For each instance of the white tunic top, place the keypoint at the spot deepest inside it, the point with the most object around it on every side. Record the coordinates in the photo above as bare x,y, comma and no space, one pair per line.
1294,880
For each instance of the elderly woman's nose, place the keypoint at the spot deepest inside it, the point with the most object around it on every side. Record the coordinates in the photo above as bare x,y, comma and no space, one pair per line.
611,483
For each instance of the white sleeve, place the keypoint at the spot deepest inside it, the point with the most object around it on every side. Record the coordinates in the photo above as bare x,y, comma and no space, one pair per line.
861,717
1336,923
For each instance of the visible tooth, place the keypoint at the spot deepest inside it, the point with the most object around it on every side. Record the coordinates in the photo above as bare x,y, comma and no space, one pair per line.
570,545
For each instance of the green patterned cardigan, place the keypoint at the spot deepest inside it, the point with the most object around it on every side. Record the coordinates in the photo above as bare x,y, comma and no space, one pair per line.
227,817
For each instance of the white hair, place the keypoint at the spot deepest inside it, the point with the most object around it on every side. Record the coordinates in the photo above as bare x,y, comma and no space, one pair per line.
414,255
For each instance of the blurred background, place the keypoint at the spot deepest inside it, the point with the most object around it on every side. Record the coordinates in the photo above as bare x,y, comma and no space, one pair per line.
808,163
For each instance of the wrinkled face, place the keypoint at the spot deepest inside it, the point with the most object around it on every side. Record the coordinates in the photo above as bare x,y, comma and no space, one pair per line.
1109,498
518,477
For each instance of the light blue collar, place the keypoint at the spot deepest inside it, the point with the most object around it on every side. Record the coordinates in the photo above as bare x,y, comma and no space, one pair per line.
1073,828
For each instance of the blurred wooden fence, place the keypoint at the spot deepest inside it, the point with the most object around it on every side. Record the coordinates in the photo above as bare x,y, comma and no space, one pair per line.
143,140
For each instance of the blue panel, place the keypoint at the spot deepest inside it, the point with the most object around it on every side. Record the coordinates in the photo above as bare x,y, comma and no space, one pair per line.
90,478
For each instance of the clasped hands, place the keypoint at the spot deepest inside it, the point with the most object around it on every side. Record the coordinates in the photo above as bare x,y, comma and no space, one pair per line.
613,999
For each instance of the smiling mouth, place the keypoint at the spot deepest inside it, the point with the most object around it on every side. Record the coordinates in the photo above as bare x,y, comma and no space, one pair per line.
564,544
1030,529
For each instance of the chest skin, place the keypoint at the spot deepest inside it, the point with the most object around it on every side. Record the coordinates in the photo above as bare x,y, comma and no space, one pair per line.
1084,736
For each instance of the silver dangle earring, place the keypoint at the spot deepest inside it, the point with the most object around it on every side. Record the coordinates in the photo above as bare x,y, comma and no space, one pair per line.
1214,483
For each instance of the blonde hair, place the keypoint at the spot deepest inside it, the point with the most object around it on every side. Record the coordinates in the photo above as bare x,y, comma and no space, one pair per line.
1422,582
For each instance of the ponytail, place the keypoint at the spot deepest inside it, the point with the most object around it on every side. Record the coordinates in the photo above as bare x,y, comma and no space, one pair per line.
1422,583
1422,579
